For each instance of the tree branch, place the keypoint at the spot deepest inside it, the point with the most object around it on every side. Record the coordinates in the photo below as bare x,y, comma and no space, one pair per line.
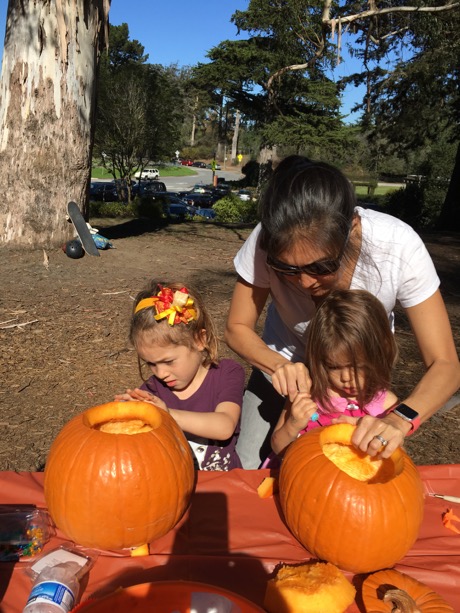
373,12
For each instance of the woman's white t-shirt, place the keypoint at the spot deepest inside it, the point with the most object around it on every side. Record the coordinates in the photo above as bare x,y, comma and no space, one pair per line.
394,265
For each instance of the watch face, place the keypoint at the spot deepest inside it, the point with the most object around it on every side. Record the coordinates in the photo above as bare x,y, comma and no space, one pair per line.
406,412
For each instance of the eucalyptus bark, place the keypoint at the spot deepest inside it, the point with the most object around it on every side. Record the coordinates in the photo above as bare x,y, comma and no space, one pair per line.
236,133
47,106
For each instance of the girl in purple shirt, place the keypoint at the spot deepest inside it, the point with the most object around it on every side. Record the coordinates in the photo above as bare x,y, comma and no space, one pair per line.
175,337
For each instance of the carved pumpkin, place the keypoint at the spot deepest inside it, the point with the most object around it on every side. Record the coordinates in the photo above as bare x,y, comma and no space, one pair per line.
357,512
387,589
119,475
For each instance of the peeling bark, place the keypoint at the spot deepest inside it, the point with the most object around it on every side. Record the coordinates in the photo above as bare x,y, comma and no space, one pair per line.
47,105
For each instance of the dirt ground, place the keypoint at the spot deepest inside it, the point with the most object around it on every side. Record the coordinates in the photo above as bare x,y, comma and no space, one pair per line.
64,324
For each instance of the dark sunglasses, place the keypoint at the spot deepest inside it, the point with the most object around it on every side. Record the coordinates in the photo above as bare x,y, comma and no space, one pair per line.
321,268
315,269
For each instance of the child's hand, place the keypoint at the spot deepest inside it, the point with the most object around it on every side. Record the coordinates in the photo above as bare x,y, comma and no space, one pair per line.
143,396
123,397
302,408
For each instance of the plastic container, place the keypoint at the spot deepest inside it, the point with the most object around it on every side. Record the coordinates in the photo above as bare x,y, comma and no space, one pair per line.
23,532
55,590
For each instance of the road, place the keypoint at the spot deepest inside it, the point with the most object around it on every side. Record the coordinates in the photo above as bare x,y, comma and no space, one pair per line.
203,175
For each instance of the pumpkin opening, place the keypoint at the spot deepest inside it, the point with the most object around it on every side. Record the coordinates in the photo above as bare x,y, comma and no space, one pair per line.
124,418
337,447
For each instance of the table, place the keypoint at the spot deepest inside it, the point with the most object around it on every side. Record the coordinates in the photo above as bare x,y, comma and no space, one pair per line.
231,538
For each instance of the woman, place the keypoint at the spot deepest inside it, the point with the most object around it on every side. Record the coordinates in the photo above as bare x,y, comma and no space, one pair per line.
313,238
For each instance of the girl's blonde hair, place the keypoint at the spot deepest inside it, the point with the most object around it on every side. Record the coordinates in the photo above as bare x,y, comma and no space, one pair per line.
145,328
353,323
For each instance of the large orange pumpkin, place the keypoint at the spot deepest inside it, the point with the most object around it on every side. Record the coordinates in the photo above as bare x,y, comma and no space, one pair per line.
119,475
357,512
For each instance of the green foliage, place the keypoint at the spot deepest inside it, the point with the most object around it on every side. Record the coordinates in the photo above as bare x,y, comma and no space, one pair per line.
139,112
251,172
144,207
231,209
149,208
276,78
112,209
414,102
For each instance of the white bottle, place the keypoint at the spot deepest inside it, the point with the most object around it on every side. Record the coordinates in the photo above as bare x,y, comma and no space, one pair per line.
55,590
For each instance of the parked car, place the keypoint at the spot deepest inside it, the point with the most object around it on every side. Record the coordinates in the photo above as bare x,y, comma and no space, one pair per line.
199,164
103,191
199,200
216,166
206,213
173,206
148,174
243,194
187,162
148,189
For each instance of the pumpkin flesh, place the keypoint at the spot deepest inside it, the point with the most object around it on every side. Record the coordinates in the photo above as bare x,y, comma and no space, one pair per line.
116,490
359,513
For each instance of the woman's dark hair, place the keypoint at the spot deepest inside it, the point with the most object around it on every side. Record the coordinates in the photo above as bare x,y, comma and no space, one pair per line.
307,200
146,329
354,324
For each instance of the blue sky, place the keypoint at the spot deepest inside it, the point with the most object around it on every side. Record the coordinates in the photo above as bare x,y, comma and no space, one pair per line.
183,31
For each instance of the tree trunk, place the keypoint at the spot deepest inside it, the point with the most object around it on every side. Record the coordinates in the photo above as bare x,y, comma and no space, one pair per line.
47,95
449,218
267,156
235,135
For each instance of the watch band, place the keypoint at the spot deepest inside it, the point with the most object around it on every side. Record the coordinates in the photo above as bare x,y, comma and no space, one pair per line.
408,414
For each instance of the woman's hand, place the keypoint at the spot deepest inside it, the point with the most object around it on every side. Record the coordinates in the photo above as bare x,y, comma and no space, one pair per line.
290,378
376,435
143,396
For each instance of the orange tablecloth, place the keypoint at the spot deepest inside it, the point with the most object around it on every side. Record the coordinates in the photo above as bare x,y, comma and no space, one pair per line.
232,538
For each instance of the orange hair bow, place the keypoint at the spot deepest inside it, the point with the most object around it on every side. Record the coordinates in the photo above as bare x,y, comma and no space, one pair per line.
176,306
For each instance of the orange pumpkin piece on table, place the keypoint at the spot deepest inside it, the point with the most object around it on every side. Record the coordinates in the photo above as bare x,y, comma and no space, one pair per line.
357,512
268,487
390,591
118,476
309,588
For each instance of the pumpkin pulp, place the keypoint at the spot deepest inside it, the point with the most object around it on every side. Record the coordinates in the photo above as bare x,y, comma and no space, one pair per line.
355,463
129,419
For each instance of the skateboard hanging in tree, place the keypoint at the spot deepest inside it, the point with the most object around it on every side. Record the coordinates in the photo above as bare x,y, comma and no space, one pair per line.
82,229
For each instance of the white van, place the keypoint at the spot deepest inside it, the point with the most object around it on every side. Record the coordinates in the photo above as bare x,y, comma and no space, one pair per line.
147,173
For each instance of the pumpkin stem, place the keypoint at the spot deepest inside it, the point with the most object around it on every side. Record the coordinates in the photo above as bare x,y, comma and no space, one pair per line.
402,601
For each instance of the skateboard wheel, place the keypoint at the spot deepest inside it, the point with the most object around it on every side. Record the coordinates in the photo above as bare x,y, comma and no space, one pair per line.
74,249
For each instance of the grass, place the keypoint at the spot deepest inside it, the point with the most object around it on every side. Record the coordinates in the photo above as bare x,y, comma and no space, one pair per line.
98,172
382,190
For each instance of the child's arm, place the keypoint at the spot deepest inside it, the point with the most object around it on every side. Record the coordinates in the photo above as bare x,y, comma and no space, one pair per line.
219,424
390,400
293,419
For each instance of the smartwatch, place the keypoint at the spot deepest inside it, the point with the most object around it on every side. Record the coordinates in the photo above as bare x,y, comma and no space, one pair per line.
408,414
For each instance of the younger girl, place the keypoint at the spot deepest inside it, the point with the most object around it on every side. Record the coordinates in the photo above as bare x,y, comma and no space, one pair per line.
175,336
350,354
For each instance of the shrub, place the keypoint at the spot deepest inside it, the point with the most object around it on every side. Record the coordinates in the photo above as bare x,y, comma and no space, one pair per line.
231,209
148,207
112,209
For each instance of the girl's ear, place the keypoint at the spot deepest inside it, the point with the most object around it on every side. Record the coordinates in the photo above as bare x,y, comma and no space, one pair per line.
201,340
